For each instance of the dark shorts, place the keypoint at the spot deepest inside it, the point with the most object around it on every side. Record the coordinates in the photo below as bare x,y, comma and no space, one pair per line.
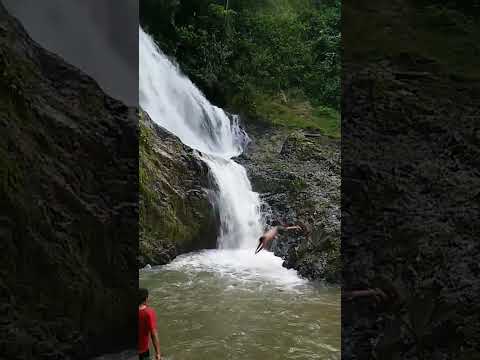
144,356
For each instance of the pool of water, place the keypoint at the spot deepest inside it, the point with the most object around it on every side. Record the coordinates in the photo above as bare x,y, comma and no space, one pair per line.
232,304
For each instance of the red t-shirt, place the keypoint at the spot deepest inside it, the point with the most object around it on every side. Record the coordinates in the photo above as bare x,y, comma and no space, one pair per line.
147,322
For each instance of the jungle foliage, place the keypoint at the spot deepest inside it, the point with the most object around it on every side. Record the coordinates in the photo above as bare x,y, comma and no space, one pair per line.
269,60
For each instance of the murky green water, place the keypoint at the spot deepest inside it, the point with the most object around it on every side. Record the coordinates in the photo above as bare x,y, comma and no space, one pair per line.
218,305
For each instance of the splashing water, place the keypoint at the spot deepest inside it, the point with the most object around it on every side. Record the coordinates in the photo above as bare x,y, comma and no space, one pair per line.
228,302
176,104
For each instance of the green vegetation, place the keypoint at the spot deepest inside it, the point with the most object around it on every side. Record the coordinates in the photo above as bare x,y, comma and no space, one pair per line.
299,185
145,150
274,61
296,113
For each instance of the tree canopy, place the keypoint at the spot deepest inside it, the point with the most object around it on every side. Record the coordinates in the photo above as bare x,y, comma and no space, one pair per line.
276,60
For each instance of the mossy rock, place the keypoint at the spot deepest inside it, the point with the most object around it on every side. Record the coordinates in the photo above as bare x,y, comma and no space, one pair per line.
176,214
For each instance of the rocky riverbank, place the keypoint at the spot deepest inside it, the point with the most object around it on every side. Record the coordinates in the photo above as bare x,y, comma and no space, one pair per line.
297,173
176,214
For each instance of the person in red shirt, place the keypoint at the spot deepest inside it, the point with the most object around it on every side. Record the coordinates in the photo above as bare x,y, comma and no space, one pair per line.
147,328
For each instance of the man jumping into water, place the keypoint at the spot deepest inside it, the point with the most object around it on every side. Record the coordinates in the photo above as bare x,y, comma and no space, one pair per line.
272,234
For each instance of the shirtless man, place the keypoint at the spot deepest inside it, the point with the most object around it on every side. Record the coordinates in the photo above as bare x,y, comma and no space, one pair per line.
272,234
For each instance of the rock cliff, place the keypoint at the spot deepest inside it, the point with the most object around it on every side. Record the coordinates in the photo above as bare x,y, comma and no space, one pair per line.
176,214
411,209
68,207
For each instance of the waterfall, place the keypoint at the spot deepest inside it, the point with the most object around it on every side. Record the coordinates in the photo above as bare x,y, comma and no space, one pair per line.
176,104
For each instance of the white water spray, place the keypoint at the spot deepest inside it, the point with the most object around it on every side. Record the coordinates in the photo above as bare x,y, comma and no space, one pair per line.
176,104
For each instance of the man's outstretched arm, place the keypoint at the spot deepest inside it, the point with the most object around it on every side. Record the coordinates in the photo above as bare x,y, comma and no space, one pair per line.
156,344
293,227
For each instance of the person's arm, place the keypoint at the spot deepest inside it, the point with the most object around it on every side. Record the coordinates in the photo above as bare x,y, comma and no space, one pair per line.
280,230
154,334
156,344
293,227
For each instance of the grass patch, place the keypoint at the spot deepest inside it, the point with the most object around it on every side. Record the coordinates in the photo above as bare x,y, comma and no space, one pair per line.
297,113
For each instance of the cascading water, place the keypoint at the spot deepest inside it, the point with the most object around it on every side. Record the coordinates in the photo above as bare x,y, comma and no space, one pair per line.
176,104
228,302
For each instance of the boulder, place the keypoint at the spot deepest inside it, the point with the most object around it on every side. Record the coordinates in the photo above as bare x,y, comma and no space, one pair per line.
177,214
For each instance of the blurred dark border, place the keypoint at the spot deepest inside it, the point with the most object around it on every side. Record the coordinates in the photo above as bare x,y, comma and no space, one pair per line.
410,180
68,178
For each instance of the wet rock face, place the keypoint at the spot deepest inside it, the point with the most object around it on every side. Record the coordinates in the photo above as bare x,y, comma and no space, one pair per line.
68,207
411,209
297,174
176,211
